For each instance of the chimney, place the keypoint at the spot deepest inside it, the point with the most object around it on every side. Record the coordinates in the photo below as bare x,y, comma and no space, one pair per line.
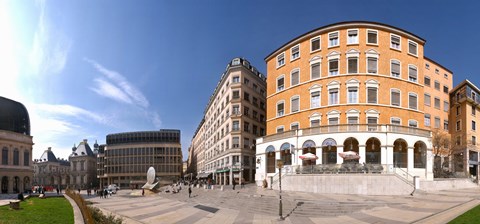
85,141
49,148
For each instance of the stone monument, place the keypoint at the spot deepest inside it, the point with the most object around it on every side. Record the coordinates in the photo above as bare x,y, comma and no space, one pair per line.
150,179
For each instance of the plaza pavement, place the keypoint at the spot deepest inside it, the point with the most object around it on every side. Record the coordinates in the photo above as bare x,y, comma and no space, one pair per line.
257,205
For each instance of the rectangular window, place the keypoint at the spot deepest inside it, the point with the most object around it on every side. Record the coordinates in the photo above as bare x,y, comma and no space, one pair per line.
395,68
295,51
458,110
352,65
474,96
236,126
412,101
474,126
395,97
437,103
16,158
445,89
246,81
474,140
426,80
371,95
280,109
437,122
315,123
372,65
280,84
280,129
412,123
445,125
372,123
280,60
437,71
458,126
235,79
333,39
315,69
295,79
315,44
473,110
26,158
294,126
412,47
352,37
395,42
295,104
427,66
4,156
445,75
372,37
427,120
246,126
352,95
446,106
246,96
412,73
315,99
395,121
235,142
235,94
333,96
437,85
333,67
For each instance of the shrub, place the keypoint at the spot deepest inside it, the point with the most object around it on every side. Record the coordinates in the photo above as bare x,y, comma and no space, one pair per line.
99,217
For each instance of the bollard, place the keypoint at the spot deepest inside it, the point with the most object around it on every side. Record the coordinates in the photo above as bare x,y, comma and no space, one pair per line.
221,188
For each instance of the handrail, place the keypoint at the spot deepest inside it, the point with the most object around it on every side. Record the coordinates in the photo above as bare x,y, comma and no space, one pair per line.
404,175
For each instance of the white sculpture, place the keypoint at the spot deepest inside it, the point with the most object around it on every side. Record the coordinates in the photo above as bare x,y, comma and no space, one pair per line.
150,179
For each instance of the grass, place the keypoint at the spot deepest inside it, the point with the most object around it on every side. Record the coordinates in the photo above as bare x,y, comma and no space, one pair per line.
36,210
471,216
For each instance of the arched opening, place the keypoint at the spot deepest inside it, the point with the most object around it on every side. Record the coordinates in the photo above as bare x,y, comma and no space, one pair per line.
270,151
4,185
286,153
351,145
400,153
26,183
16,184
309,147
329,151
372,151
419,155
52,181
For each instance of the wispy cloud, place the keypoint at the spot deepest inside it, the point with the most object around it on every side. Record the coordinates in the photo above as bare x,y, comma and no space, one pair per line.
122,90
50,46
72,111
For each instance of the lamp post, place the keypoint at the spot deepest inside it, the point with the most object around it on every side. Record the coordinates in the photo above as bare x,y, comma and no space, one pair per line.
280,165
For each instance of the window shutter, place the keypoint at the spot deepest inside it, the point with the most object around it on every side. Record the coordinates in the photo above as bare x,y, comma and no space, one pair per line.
332,121
372,95
281,82
412,72
353,120
334,65
295,105
280,107
334,35
372,65
295,78
395,67
395,98
412,102
315,70
372,37
427,100
395,40
372,120
412,48
352,65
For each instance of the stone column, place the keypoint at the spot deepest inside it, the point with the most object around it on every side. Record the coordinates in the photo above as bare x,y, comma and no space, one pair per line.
362,153
224,178
10,185
339,150
410,158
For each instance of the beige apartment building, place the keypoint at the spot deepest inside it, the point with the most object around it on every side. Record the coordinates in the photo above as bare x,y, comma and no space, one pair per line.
223,146
126,158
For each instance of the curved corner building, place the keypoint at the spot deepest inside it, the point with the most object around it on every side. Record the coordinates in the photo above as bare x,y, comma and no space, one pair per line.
364,87
16,168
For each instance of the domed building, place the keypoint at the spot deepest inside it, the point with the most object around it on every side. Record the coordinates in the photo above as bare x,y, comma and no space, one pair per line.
16,168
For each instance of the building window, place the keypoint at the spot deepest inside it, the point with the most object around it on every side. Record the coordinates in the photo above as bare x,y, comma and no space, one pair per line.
427,120
395,121
333,39
246,126
372,123
280,129
236,61
371,95
458,126
315,44
437,85
395,42
445,89
474,126
474,96
474,140
235,142
352,94
333,96
235,110
474,110
295,104
426,80
26,159
352,37
412,123
437,103
372,37
294,126
372,65
314,123
412,73
446,106
445,75
352,65
235,79
280,84
281,59
315,99
236,126
235,94
458,140
333,67
246,96
295,77
280,109
427,99
427,66
295,52
437,122
315,70
395,68
395,97
437,71
352,123
412,48
458,110
246,81
16,157
445,125
5,156
412,101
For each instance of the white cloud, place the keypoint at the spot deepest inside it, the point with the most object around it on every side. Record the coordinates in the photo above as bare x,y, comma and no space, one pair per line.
69,110
127,89
50,46
107,89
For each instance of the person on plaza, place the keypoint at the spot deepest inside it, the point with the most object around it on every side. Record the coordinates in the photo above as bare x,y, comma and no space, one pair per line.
234,183
58,191
143,192
189,191
105,193
78,190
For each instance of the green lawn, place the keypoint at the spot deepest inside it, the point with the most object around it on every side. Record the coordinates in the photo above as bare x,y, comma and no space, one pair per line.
471,216
35,210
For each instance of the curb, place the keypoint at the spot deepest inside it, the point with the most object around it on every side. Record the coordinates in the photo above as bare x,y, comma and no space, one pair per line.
77,214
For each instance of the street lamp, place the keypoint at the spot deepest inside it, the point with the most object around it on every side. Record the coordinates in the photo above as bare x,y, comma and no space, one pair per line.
280,165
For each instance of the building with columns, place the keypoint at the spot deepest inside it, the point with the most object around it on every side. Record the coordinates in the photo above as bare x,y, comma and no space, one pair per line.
223,147
83,166
51,171
364,88
16,168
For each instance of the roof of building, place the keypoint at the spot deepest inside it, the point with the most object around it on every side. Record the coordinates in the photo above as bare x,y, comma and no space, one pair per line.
82,149
465,82
14,116
48,156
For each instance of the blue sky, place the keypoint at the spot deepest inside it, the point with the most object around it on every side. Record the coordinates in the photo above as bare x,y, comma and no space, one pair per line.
85,69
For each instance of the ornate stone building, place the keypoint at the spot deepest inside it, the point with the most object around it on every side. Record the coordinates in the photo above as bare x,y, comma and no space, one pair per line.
50,171
16,169
83,171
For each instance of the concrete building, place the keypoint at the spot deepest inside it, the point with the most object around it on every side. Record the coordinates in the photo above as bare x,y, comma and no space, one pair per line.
126,157
16,168
83,171
224,143
50,171
364,88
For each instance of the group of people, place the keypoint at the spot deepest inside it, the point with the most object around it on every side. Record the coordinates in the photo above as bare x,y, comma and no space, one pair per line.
104,193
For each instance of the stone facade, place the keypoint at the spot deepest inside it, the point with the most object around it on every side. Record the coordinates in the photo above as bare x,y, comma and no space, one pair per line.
51,172
83,169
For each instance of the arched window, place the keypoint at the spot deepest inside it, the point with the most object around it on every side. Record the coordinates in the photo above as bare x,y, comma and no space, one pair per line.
419,155
372,151
400,153
286,153
309,147
329,151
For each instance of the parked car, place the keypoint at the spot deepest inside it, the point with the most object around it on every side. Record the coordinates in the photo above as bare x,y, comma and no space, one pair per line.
113,187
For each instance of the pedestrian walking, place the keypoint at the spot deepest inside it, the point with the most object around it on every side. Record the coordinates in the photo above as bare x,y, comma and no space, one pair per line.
233,184
143,192
189,191
58,191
